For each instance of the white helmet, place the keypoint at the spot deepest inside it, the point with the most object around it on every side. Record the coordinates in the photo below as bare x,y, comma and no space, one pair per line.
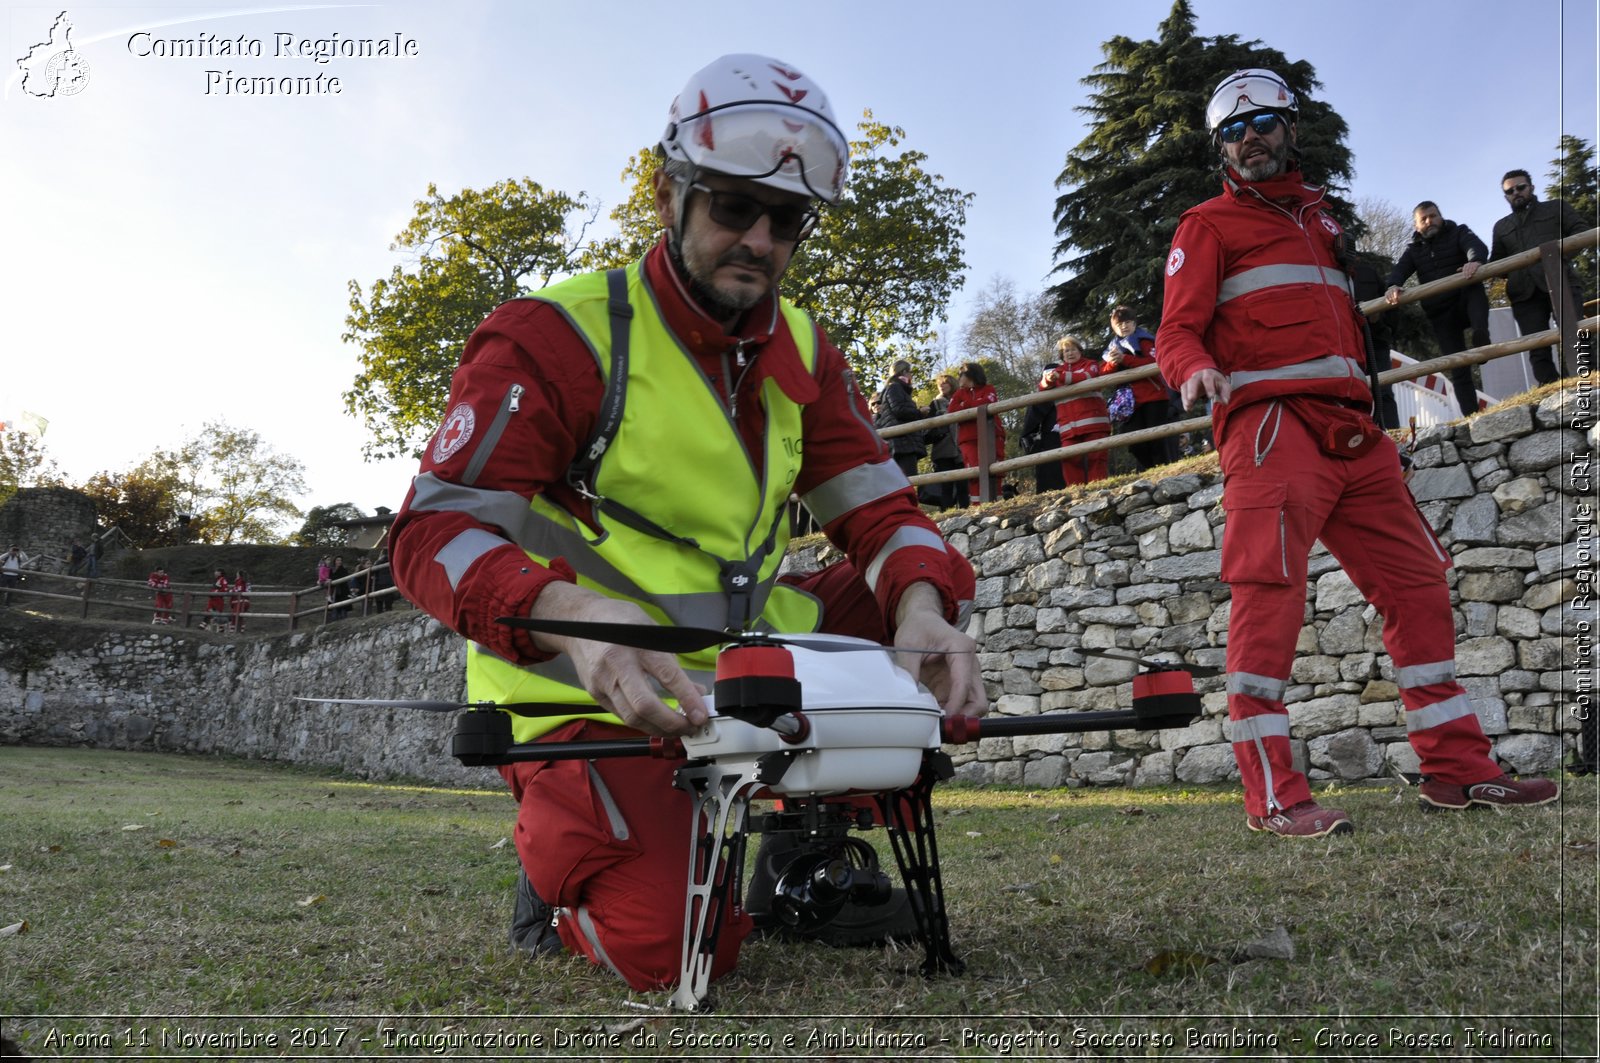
1248,91
759,118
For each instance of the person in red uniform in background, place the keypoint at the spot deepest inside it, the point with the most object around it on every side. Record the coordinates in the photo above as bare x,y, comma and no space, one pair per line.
1081,417
241,599
973,389
161,583
217,603
1259,318
749,147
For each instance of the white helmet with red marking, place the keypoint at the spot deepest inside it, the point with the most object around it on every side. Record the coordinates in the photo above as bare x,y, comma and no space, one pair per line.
759,118
1248,91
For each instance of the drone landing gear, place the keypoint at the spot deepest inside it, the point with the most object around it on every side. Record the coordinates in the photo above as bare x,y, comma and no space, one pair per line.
716,861
908,814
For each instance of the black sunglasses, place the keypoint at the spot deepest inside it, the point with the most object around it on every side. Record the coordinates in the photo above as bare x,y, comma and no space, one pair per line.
1516,188
1263,124
734,210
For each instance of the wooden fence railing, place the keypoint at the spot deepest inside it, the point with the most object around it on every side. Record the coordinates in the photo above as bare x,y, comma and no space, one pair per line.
118,599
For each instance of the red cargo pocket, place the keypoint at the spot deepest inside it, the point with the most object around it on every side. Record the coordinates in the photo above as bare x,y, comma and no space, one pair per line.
1254,541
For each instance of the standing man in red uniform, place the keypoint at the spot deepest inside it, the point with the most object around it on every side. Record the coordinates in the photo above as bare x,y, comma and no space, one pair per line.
161,583
1258,318
670,509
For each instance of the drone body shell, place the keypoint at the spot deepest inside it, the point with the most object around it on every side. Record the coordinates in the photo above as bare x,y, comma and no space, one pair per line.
870,724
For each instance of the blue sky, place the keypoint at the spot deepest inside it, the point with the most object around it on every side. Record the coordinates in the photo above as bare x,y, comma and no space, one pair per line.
177,257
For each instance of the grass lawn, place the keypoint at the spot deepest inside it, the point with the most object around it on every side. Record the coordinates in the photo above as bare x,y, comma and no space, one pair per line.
314,910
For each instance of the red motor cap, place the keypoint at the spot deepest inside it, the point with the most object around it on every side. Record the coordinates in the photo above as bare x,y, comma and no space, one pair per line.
1153,684
740,662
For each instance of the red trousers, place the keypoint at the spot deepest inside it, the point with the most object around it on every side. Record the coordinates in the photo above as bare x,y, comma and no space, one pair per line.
606,842
1282,492
969,456
1086,468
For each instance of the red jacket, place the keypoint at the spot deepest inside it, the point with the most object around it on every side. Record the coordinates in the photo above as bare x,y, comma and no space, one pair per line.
1082,416
967,431
529,345
1252,285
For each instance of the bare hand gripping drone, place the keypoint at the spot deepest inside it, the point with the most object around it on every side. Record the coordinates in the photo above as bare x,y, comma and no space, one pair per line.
793,721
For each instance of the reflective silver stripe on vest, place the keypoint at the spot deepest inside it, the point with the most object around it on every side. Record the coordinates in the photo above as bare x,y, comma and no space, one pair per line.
854,488
1329,367
1085,422
538,534
1437,714
1421,675
900,540
1257,686
1253,280
459,553
1252,728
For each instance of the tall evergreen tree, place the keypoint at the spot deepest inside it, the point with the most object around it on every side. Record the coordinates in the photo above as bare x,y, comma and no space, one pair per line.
1575,181
1148,158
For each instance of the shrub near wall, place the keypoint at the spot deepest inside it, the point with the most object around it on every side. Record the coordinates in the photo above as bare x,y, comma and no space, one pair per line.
1135,568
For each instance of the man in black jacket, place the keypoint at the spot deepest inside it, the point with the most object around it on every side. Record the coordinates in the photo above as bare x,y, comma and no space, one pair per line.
896,406
1443,248
1530,224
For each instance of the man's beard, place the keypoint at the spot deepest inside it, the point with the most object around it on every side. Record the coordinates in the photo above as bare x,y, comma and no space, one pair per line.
1270,167
716,305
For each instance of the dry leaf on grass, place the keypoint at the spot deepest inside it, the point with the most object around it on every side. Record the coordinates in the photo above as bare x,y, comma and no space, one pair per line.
1131,810
5,867
1178,962
501,844
14,929
134,826
974,833
167,843
1056,859
310,902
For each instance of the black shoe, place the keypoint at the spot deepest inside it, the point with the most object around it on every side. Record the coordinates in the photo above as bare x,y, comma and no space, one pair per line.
533,926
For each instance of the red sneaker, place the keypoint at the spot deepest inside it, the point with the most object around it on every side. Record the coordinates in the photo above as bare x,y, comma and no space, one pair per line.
1305,820
1499,792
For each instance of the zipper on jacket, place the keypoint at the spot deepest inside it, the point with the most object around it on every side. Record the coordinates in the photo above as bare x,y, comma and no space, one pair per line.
491,437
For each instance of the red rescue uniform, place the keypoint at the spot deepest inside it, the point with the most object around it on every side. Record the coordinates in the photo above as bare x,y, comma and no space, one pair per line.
1253,290
967,431
606,843
1080,419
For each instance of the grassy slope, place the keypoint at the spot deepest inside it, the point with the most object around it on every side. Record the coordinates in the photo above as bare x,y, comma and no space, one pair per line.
1059,900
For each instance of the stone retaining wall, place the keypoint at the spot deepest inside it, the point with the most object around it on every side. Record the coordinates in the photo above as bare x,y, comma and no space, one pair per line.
1134,568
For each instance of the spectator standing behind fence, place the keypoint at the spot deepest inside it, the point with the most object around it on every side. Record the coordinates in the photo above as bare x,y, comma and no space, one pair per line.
1530,224
973,390
1079,418
1130,348
944,451
1301,461
323,568
161,583
338,589
1442,248
77,556
1039,434
382,580
897,407
241,599
217,602
11,571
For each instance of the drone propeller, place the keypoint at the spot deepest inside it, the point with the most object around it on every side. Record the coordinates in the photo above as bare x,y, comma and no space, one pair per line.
1200,671
521,708
690,639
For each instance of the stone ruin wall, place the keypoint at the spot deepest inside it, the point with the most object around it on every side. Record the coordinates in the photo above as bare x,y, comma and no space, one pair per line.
1510,494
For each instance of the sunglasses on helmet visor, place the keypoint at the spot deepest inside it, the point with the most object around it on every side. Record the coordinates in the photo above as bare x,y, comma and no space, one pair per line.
1264,124
734,210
